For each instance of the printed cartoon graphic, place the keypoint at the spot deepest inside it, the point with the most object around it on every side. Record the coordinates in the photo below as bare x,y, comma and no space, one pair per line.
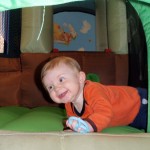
86,27
74,31
61,36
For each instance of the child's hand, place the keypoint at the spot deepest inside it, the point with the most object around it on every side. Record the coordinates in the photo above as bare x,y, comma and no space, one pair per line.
79,125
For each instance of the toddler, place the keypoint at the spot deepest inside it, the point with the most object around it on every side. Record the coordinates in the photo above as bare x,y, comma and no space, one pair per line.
92,106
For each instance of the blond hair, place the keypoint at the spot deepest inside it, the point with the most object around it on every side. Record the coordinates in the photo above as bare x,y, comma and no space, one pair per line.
72,63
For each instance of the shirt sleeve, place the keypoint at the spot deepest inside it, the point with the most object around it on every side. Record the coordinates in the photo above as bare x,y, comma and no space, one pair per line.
101,106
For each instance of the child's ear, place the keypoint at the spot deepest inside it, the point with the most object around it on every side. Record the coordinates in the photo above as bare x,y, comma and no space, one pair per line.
82,76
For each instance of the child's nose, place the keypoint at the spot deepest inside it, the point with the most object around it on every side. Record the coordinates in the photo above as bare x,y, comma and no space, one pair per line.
57,87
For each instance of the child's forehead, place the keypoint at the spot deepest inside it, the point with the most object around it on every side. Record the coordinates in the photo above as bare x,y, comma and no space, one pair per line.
61,67
59,70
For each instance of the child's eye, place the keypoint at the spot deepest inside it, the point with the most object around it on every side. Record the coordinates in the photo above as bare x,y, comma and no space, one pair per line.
61,79
50,88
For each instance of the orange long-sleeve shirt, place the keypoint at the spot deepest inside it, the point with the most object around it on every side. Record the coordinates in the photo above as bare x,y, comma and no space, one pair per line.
107,106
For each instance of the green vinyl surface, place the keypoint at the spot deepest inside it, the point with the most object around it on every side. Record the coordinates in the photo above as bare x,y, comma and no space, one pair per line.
43,119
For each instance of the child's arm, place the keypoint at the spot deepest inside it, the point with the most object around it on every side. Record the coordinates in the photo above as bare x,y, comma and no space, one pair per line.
79,125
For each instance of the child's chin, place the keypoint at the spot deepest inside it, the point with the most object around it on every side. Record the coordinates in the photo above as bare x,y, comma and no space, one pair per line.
65,101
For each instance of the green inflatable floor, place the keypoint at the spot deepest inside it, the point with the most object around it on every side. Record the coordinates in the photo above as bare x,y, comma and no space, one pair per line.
43,119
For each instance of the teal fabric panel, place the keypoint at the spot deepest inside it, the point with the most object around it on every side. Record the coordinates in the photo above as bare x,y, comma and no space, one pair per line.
143,10
145,1
13,4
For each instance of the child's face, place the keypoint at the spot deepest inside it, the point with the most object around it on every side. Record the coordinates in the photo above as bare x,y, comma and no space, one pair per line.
64,84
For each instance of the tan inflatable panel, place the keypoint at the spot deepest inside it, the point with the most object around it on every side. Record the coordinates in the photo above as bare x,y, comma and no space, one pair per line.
117,26
73,141
31,39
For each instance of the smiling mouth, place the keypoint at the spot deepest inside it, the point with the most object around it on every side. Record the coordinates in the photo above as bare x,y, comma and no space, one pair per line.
62,94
